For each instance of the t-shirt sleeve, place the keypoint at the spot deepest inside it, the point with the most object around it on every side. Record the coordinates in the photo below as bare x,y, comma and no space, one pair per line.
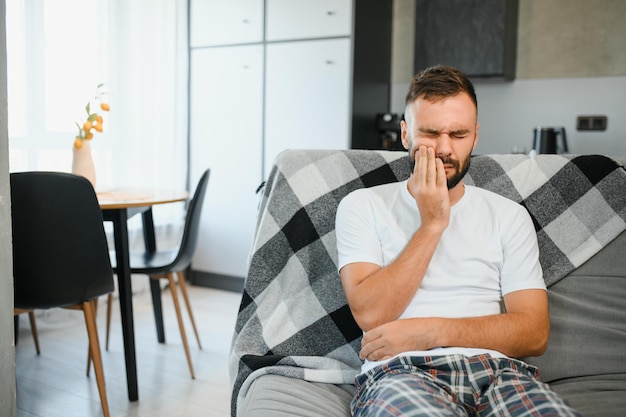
521,268
355,229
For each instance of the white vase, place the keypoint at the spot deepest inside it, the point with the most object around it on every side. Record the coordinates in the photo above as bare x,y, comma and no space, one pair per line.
82,163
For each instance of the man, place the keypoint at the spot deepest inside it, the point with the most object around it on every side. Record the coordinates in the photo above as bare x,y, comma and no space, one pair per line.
443,278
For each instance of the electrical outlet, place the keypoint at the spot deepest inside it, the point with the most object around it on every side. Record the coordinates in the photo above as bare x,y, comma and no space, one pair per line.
596,123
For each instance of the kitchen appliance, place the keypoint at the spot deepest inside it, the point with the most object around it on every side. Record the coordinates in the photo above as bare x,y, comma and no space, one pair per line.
550,140
388,127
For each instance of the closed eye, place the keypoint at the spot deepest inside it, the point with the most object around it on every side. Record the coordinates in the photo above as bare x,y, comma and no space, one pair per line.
428,133
459,134
432,133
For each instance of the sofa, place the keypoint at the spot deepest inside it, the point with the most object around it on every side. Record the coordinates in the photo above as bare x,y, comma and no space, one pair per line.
295,345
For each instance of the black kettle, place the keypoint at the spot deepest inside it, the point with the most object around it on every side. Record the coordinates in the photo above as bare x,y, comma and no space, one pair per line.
546,140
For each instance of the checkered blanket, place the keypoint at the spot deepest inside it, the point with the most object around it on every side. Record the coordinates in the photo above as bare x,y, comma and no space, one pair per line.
294,319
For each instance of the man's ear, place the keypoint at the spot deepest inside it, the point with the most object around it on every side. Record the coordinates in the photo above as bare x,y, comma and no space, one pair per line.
476,136
404,134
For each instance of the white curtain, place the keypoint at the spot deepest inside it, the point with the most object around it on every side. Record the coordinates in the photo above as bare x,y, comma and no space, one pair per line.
60,50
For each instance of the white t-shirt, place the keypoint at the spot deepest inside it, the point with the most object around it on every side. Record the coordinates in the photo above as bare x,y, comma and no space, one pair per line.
489,249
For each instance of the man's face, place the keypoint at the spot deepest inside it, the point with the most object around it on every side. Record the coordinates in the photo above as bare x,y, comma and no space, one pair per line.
449,126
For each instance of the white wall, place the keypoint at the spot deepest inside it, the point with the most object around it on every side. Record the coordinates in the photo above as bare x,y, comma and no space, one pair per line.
571,61
509,111
7,346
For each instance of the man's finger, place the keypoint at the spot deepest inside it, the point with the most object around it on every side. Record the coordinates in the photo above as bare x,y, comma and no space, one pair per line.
431,171
441,173
421,163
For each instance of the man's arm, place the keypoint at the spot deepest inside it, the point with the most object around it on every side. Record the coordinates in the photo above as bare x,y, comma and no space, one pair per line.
373,292
522,331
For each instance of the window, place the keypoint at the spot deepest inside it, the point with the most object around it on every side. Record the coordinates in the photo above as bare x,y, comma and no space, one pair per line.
59,51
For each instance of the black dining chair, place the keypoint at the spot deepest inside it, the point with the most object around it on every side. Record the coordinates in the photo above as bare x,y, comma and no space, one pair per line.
165,264
60,252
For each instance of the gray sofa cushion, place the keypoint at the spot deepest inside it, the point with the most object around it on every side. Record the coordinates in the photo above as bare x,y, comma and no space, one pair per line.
586,357
594,396
281,396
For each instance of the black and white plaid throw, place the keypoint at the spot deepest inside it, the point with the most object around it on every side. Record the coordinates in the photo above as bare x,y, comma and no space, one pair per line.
294,319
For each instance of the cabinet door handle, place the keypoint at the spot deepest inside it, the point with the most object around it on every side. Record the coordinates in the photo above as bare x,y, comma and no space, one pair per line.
331,13
329,62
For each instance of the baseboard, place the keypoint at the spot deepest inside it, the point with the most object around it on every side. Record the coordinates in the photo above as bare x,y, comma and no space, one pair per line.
213,280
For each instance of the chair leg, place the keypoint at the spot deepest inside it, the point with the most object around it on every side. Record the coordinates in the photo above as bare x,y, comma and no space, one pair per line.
89,309
109,307
89,358
33,326
33,329
108,328
183,289
179,316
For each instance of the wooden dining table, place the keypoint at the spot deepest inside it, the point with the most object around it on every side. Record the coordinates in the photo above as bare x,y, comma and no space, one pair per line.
118,205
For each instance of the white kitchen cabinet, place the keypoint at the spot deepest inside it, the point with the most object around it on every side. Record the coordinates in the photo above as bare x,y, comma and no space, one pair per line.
301,19
219,22
226,110
307,99
313,77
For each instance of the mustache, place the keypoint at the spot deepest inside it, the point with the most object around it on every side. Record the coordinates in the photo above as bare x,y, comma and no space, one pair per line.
449,161
446,161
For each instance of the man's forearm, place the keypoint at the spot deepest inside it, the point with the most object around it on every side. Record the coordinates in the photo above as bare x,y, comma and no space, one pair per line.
382,295
516,335
521,332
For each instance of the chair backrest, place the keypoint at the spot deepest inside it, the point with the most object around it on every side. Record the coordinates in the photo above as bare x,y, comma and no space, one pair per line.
60,252
191,230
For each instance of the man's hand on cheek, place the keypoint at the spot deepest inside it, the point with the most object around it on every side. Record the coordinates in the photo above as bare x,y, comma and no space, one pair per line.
428,185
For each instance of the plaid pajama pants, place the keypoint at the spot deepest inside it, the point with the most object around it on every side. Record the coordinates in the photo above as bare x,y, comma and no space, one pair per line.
455,385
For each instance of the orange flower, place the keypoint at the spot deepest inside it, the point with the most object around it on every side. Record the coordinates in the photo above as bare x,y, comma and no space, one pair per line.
94,120
78,143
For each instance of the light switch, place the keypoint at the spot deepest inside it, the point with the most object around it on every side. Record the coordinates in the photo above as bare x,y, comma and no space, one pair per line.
596,123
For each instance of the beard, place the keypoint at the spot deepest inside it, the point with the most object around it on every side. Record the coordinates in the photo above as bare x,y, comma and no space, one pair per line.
460,169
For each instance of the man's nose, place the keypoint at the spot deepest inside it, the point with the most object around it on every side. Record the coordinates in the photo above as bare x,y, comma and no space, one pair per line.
444,147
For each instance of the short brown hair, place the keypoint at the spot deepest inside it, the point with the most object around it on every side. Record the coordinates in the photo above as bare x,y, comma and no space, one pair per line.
438,82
